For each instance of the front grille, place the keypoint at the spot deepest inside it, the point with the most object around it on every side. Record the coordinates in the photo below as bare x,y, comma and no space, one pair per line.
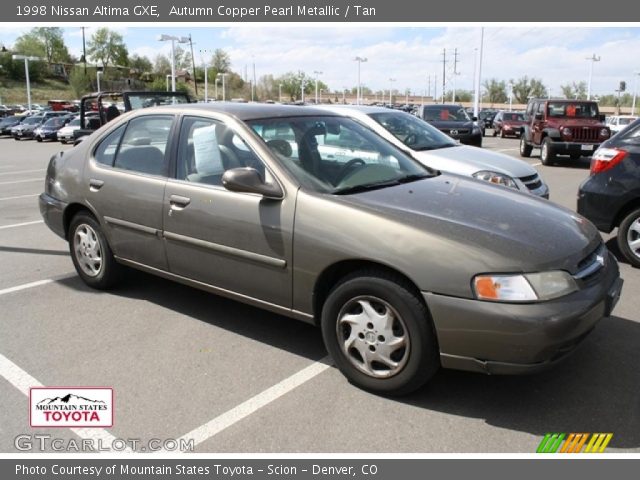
585,134
591,265
461,131
532,182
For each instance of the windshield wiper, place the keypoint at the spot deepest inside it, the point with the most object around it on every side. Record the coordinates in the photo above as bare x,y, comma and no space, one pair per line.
435,147
387,183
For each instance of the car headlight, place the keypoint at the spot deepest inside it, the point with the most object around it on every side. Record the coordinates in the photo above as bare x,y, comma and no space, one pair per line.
529,287
497,178
604,132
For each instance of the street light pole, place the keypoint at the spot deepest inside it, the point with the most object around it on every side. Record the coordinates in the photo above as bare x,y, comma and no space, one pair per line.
302,82
635,92
280,93
593,59
510,95
172,38
167,82
316,73
360,60
26,73
224,93
391,80
98,73
216,91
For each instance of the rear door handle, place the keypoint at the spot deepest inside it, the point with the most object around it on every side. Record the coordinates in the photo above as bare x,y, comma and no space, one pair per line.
95,185
179,202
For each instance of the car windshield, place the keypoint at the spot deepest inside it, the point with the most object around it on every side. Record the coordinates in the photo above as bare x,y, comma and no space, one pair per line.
573,110
446,113
513,117
336,154
32,120
626,121
53,122
413,132
74,123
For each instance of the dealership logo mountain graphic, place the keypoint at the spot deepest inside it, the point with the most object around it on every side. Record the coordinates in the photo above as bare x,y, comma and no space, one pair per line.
68,399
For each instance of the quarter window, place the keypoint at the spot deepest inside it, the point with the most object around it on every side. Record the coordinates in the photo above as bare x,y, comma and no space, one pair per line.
106,151
144,144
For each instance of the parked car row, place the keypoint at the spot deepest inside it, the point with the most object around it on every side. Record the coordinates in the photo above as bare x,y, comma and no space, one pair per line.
340,218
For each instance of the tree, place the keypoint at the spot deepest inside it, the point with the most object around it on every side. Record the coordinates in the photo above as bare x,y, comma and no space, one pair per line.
575,90
461,95
44,42
79,82
107,47
161,65
525,87
140,64
221,62
496,91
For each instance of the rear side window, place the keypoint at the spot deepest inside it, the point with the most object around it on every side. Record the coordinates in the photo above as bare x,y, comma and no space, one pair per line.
106,151
144,144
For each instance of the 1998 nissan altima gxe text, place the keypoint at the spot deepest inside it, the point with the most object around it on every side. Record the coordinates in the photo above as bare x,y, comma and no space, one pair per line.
314,216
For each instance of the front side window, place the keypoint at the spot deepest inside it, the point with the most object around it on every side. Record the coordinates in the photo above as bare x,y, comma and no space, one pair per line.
336,154
143,146
207,148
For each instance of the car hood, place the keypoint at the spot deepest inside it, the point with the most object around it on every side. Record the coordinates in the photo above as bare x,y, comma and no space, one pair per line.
445,124
495,228
576,122
465,160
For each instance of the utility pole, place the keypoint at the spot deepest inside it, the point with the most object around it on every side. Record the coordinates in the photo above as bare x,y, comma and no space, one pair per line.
455,72
478,76
84,53
593,59
253,85
435,87
429,80
193,61
444,72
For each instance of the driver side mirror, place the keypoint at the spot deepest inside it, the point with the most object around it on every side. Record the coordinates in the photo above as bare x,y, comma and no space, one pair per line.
248,180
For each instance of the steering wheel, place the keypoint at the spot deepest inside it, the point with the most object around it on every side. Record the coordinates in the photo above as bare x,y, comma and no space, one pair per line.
347,168
410,139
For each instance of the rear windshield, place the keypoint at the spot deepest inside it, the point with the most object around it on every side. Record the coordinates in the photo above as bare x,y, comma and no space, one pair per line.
445,113
514,116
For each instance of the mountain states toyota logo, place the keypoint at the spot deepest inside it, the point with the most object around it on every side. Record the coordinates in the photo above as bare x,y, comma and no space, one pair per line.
71,407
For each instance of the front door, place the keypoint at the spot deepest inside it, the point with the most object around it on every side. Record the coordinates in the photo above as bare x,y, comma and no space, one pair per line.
233,241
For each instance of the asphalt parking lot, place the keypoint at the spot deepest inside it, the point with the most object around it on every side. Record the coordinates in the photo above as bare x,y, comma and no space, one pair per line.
184,363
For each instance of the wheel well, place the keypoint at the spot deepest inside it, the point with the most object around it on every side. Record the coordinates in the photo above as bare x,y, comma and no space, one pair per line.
70,212
333,274
624,211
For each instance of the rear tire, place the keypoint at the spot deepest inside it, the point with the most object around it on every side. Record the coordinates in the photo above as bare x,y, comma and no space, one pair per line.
379,333
629,237
547,155
91,254
525,148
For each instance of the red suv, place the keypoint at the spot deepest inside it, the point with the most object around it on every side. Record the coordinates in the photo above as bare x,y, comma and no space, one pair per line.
562,127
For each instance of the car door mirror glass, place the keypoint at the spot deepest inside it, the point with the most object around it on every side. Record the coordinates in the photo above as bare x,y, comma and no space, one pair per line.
248,180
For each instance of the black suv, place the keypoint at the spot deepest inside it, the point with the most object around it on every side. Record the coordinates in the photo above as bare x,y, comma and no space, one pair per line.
610,197
562,127
454,121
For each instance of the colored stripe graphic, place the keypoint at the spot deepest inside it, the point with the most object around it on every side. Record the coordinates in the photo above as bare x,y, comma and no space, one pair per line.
574,443
550,443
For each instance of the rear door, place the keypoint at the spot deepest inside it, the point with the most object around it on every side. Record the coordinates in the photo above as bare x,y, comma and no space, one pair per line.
126,179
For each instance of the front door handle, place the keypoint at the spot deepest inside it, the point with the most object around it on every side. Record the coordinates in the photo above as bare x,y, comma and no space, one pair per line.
95,185
179,202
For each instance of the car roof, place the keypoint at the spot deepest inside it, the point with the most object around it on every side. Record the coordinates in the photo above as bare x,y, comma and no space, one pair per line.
366,109
249,111
440,105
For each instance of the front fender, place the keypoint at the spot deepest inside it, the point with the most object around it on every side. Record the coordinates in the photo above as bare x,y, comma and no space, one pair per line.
552,133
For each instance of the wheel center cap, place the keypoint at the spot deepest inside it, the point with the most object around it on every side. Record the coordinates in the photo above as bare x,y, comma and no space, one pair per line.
370,337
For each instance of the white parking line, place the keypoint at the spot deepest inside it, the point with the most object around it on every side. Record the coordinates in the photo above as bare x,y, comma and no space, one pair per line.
19,196
24,171
15,225
536,164
25,286
23,181
23,381
256,402
506,150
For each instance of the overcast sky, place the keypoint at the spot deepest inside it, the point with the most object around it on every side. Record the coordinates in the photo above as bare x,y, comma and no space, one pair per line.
408,54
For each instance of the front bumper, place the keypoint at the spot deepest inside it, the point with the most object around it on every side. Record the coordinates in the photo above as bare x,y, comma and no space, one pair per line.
584,149
507,338
52,211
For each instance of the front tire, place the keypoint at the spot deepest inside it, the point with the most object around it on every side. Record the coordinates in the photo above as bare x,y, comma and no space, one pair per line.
91,254
629,237
547,155
525,148
379,333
